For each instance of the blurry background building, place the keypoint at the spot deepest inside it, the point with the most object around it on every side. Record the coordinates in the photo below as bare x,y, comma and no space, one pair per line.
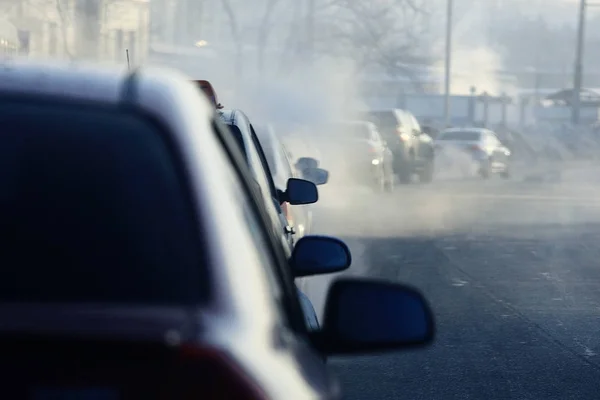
80,29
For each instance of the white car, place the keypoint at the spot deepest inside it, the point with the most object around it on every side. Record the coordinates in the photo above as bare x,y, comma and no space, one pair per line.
476,146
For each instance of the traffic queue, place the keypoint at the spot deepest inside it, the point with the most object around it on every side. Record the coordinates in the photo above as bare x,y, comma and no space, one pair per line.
147,251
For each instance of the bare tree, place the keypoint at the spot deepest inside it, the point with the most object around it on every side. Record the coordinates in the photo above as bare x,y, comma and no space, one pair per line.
388,34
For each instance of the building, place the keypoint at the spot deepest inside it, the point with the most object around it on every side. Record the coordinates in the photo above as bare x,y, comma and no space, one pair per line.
81,29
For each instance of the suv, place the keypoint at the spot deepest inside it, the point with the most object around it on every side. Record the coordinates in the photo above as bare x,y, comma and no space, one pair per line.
411,147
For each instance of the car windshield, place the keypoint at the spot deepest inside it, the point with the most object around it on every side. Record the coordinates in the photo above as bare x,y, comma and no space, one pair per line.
466,136
93,210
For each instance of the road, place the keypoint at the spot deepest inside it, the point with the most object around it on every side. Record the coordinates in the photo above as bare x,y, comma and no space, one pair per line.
512,271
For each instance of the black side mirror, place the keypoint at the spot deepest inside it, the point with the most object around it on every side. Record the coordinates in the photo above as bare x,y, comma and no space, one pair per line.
317,255
300,191
364,316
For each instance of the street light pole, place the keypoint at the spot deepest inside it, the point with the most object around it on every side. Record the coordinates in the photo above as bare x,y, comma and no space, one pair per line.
578,73
448,60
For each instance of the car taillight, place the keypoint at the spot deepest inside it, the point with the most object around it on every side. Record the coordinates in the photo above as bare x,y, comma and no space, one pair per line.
474,147
372,150
210,374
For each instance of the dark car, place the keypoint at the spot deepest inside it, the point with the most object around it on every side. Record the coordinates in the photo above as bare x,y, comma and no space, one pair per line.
412,148
137,259
479,145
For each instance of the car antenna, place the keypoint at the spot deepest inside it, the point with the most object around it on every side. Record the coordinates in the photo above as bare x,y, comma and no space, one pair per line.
128,63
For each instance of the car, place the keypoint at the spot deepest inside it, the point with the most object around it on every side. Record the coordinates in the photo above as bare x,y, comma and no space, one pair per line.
480,145
245,135
298,191
359,153
412,148
281,168
137,258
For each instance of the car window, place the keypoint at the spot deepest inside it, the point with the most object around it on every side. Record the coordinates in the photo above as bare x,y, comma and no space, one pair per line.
94,210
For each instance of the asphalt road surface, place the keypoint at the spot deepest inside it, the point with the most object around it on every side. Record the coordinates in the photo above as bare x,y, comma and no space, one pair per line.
511,269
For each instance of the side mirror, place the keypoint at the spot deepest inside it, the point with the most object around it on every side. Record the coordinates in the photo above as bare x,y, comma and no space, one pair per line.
307,162
317,255
363,316
300,191
318,176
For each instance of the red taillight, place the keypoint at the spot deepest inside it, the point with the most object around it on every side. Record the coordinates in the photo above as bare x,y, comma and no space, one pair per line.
372,150
474,147
211,374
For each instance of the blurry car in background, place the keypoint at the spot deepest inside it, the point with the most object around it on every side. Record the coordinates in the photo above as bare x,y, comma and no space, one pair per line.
357,154
298,217
480,145
412,148
138,261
